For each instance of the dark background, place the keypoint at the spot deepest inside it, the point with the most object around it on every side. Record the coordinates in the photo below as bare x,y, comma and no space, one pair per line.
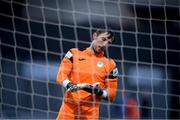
35,35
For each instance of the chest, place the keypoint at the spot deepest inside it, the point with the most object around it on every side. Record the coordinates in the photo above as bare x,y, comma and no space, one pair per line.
90,65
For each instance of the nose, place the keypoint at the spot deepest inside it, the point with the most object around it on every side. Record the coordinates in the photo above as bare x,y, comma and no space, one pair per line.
105,43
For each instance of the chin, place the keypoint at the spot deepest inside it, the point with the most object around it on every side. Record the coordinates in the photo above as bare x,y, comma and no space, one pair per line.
99,51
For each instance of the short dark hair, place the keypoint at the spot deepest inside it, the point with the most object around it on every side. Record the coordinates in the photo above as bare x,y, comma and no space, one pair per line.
111,36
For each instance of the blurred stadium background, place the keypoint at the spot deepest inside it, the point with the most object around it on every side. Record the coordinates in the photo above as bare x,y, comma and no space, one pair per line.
35,35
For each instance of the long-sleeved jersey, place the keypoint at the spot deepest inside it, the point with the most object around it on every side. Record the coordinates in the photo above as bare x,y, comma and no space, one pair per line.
87,67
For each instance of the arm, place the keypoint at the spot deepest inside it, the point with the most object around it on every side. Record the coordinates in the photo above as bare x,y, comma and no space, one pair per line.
111,81
95,89
65,69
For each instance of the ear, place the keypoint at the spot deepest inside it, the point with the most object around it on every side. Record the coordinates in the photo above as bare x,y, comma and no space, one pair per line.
94,35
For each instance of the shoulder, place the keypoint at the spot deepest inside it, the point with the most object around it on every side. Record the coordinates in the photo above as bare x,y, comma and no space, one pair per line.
69,54
73,49
77,49
111,62
73,52
113,68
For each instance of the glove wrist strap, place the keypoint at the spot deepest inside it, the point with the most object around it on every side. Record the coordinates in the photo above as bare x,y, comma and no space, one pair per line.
104,95
97,91
65,83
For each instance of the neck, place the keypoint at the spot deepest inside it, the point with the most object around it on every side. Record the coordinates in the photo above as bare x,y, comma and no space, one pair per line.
92,49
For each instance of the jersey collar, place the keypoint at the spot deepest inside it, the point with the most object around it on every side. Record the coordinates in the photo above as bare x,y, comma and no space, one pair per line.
91,53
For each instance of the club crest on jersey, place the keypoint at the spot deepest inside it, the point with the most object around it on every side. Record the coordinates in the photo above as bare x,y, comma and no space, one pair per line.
100,64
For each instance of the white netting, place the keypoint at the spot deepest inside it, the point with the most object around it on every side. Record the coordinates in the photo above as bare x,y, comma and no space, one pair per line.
36,34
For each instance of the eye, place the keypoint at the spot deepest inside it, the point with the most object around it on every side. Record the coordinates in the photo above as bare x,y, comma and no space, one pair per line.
109,42
103,39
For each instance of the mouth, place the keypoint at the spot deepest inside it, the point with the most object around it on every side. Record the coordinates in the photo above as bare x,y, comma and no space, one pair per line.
101,48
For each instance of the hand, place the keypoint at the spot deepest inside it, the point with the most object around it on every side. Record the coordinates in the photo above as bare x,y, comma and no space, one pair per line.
94,89
72,87
96,85
75,87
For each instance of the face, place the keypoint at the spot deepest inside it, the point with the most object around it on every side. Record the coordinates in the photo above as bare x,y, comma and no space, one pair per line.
101,42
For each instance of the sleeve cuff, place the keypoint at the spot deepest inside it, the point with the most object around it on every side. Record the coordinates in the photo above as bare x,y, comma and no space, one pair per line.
104,95
65,82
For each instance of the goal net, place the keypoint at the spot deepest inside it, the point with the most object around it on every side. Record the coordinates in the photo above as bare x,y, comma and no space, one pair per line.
36,34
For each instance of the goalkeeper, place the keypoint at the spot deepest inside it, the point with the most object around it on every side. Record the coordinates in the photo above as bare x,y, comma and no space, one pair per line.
87,76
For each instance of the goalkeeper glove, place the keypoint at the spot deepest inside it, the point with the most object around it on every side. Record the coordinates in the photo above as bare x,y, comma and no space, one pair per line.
95,89
71,87
75,87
